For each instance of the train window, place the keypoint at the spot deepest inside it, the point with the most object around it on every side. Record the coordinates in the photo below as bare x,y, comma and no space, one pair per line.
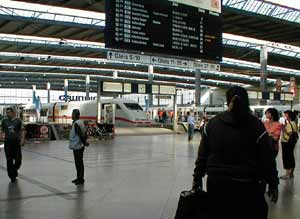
65,107
133,106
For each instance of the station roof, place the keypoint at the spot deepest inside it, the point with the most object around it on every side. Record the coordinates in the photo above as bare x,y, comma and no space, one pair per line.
271,27
265,20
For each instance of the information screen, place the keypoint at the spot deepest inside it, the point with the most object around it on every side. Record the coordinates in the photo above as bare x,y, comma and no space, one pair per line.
170,27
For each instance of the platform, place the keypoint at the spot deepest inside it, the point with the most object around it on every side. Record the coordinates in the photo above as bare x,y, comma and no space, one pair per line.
130,177
125,131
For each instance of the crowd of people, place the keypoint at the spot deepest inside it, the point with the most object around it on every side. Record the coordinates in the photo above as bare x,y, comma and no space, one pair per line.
285,132
13,136
238,154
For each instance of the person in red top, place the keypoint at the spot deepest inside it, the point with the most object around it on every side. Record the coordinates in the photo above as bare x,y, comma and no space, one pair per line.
160,115
273,127
171,115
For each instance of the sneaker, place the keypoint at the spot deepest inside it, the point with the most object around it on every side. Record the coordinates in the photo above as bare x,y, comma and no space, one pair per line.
74,181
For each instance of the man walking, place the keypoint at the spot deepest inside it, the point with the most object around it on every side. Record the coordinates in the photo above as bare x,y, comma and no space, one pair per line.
13,140
191,126
78,140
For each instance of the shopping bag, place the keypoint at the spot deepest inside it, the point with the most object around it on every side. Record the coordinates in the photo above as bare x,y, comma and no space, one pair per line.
192,205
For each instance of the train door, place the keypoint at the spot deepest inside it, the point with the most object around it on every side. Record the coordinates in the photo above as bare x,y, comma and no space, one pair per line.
109,113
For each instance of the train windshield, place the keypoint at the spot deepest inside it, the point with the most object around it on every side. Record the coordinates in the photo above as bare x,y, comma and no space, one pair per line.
133,106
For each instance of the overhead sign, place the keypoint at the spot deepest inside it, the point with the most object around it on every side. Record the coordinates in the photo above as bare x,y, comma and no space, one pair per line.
211,5
267,95
125,88
289,97
204,66
252,94
158,60
141,88
128,57
155,89
112,87
171,90
187,28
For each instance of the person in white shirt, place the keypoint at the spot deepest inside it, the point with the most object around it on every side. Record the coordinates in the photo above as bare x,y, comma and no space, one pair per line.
191,126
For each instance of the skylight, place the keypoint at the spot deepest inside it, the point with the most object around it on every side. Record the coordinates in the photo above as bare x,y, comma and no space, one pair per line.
267,8
289,3
45,12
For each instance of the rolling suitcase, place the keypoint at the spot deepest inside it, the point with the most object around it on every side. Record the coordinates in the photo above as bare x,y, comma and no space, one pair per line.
192,205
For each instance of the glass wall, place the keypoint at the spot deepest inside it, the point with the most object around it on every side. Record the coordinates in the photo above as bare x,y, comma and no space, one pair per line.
24,96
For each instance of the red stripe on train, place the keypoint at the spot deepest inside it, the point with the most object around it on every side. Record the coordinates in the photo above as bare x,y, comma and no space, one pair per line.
94,118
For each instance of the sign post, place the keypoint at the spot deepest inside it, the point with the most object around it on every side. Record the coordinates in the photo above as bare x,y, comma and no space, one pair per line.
66,83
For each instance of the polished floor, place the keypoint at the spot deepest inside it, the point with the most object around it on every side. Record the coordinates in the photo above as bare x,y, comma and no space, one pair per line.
133,177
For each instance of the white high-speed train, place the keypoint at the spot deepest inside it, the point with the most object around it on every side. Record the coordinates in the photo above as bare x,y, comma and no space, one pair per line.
259,110
127,112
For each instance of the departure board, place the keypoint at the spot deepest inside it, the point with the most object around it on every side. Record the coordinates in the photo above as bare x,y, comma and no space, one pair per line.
170,27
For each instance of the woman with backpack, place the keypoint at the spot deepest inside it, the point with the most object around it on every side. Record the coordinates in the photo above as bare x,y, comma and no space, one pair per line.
289,139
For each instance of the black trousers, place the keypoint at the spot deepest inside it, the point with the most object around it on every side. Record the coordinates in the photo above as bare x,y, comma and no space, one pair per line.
78,157
236,200
288,156
13,158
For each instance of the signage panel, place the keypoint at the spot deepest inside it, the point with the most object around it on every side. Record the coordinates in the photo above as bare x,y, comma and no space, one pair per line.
155,89
141,88
127,88
158,60
112,87
252,94
259,95
211,5
167,90
188,28
204,66
289,97
128,57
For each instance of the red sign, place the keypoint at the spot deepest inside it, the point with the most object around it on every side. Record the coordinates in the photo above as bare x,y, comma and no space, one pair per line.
293,86
44,131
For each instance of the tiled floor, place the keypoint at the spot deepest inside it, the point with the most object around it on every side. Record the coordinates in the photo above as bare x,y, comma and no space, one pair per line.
133,177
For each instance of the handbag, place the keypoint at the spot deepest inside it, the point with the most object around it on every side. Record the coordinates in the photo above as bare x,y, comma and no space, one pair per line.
192,205
294,136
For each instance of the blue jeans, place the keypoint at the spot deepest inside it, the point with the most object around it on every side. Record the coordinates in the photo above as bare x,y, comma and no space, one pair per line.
191,132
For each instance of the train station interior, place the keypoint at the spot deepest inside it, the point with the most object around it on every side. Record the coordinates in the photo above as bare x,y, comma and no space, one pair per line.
138,71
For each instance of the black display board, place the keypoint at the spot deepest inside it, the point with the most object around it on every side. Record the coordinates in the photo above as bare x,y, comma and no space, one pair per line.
163,27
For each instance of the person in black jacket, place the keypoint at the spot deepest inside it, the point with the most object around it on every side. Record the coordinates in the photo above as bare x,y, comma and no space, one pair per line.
14,138
236,154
